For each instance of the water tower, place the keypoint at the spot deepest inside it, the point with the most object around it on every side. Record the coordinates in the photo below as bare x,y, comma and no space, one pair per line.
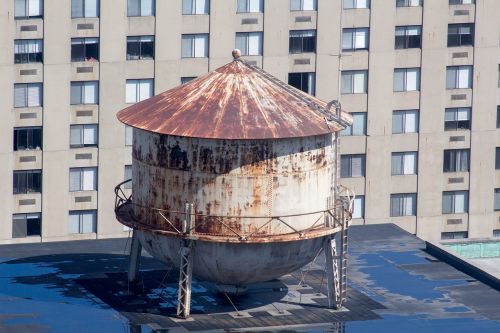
235,181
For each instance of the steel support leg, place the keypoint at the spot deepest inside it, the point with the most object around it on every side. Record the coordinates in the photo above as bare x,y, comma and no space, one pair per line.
332,274
135,254
185,277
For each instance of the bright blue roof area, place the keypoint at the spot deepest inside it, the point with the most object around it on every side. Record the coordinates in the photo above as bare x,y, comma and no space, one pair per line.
395,286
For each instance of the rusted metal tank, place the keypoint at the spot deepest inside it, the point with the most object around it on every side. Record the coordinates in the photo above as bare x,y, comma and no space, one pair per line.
256,160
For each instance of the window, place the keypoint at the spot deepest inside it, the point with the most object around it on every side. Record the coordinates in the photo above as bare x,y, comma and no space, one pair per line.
458,77
141,7
84,8
249,43
195,7
352,4
352,166
25,225
250,6
497,158
302,41
186,79
84,49
455,202
26,138
456,119
405,121
27,95
128,135
454,235
140,47
28,51
138,90
456,160
403,204
460,34
83,136
303,81
24,9
498,116
461,2
302,5
406,79
354,82
82,221
194,46
408,3
358,126
408,37
27,181
82,179
498,84
127,176
84,92
355,39
359,207
496,233
497,200
404,163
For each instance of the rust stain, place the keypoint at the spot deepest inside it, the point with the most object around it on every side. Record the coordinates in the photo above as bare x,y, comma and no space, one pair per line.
236,101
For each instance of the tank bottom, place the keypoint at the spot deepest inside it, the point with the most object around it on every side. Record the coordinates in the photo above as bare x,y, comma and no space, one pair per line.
235,264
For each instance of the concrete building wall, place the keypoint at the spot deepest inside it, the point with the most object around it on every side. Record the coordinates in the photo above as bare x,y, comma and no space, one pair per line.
276,21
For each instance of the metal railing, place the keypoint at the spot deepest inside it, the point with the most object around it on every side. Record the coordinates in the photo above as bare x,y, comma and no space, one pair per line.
323,222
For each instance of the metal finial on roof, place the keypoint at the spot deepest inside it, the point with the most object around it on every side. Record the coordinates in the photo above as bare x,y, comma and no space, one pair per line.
236,54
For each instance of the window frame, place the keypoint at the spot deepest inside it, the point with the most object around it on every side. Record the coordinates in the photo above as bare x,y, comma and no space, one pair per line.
406,37
31,184
248,6
140,40
302,5
408,3
139,7
306,44
355,4
456,112
456,160
30,136
349,172
127,170
84,43
353,39
81,186
29,230
82,128
305,77
457,72
27,10
82,87
404,122
405,80
349,130
453,202
80,214
402,206
138,83
403,160
84,9
245,37
194,3
193,38
352,82
29,57
458,39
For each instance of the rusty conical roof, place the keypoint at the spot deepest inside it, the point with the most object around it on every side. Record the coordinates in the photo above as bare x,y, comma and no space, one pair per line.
235,101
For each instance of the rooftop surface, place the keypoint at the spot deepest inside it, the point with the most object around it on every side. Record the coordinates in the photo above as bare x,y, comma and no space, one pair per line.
395,286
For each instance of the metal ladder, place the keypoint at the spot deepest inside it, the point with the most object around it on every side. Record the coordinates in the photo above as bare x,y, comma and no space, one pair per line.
186,266
343,257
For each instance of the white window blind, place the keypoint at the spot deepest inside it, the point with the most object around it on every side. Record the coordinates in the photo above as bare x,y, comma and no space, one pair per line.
27,95
82,179
250,6
80,222
128,135
86,92
359,207
249,43
194,46
138,90
192,7
83,135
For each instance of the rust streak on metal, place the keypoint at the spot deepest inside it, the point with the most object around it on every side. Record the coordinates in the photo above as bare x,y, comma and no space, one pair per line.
236,101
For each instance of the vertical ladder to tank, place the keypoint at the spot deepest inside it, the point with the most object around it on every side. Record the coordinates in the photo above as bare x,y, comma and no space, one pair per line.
343,255
186,265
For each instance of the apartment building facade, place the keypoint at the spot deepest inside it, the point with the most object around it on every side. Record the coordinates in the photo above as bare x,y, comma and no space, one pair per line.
420,77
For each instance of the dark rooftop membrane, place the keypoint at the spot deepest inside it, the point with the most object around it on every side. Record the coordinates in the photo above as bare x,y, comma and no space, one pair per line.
395,286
